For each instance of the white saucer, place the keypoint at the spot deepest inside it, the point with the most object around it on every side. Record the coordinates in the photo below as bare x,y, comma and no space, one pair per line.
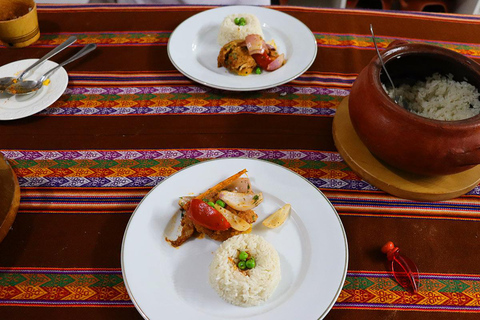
17,107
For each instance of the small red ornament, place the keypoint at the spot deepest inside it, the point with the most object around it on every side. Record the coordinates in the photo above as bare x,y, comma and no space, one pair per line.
403,269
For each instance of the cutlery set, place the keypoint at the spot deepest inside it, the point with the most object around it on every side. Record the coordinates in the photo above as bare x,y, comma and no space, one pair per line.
20,86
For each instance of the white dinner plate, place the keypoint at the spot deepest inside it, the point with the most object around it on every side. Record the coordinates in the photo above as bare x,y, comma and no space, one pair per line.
16,107
193,48
172,283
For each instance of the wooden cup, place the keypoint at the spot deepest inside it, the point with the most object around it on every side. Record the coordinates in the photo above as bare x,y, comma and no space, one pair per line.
18,23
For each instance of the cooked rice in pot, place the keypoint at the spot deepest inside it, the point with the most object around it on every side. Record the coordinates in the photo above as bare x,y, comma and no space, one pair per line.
439,97
229,31
250,287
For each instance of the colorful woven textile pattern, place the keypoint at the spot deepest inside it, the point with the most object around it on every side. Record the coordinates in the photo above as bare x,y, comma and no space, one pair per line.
105,287
443,292
63,287
181,100
323,39
119,179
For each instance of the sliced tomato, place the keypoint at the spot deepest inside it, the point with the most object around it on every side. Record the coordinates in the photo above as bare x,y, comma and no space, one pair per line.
263,60
206,216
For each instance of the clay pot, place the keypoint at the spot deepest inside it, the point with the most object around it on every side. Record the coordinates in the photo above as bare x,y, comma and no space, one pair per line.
401,138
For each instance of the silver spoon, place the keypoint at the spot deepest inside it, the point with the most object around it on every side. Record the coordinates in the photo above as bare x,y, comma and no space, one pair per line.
396,98
29,86
8,81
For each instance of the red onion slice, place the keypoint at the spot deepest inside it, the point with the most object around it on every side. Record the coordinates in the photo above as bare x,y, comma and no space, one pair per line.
255,44
275,64
240,185
270,47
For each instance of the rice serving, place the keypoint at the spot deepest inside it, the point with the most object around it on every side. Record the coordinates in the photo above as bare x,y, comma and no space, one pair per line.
250,287
440,98
229,31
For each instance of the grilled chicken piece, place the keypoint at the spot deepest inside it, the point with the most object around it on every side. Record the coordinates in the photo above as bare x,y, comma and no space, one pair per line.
235,57
188,230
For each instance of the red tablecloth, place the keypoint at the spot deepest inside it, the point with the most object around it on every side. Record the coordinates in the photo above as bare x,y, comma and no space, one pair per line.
129,119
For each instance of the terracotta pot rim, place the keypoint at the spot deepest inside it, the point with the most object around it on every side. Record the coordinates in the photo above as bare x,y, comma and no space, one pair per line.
405,49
